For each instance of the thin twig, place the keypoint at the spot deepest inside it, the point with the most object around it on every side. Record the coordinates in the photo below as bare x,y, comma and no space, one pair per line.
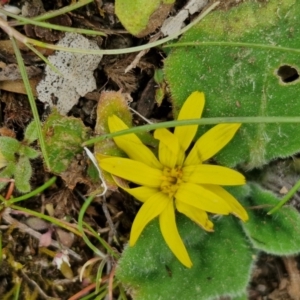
36,286
24,228
108,217
136,60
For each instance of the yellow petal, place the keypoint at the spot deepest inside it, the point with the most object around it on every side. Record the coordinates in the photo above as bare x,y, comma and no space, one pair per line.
132,170
191,109
169,152
149,210
202,198
171,235
199,216
211,143
131,144
210,174
142,193
237,209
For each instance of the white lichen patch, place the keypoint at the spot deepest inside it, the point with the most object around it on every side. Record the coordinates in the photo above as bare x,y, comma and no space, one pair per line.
76,78
172,25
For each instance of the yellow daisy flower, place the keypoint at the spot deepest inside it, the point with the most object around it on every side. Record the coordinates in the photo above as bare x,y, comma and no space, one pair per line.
176,180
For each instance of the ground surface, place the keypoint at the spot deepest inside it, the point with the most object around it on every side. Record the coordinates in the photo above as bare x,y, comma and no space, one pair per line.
25,262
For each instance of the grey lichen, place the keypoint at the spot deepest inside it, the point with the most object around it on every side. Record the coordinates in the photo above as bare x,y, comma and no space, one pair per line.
76,78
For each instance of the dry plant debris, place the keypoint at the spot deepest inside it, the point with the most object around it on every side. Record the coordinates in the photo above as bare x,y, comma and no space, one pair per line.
173,24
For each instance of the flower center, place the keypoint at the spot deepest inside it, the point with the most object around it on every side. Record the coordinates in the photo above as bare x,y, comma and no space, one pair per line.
171,180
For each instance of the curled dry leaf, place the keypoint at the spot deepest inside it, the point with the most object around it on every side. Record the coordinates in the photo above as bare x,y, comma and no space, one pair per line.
12,72
35,8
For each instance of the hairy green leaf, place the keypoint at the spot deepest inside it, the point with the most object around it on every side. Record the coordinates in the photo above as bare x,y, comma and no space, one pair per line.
244,81
63,138
9,147
278,233
22,175
31,133
222,263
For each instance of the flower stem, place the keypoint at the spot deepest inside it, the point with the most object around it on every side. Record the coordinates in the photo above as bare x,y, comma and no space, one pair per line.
31,101
202,121
33,193
286,198
232,44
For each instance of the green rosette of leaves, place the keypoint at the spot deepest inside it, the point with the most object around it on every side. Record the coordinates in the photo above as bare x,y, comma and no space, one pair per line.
15,159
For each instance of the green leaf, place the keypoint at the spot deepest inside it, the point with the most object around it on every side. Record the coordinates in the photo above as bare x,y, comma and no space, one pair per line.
9,147
7,173
244,81
279,233
222,263
160,91
22,175
159,76
141,17
29,152
31,133
92,172
63,137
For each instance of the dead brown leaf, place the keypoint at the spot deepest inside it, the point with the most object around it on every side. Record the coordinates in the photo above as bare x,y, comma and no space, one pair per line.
11,72
75,174
17,86
17,109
